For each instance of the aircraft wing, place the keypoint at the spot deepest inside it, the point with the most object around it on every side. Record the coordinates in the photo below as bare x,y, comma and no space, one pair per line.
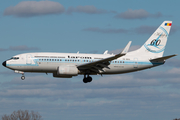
98,65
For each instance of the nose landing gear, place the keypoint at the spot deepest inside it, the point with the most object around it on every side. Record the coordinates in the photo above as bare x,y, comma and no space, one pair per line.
22,77
87,79
20,72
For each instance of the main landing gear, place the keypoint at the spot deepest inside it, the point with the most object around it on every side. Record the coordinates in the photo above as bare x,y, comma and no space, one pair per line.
87,79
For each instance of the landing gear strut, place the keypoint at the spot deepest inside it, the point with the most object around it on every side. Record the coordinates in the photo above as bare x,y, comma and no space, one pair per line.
87,79
21,72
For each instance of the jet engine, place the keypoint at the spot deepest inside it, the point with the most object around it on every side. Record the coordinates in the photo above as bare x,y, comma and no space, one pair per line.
66,71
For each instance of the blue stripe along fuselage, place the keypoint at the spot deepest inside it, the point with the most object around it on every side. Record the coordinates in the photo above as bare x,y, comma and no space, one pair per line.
81,61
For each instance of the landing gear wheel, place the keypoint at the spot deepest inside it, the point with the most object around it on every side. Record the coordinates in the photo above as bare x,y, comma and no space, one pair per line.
22,77
87,79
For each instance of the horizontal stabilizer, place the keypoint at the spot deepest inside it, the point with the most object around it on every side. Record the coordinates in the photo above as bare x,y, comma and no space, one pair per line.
162,58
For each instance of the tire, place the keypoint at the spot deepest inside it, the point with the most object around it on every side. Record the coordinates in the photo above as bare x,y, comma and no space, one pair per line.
85,80
89,79
22,77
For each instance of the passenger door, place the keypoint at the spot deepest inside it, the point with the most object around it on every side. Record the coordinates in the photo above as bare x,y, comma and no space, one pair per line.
28,59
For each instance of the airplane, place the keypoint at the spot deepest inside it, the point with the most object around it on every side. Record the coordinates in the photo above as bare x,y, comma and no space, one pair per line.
68,65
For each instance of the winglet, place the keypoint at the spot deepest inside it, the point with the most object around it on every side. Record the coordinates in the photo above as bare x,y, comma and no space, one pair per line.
126,48
106,52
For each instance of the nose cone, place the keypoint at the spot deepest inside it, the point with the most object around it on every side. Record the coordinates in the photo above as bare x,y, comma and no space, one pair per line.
4,63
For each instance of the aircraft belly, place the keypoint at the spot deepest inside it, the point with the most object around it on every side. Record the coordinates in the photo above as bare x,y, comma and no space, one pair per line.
115,69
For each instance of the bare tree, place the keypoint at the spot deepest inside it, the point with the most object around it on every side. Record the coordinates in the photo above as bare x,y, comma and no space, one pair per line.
176,119
22,115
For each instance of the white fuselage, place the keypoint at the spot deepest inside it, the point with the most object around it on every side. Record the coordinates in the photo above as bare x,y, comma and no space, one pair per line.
49,62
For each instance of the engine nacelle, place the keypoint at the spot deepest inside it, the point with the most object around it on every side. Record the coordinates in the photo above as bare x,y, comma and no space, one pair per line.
61,76
66,71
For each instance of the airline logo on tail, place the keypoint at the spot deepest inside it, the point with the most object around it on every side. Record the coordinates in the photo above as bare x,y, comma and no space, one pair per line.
157,45
156,42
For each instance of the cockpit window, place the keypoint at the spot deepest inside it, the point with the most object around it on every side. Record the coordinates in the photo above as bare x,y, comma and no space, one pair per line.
15,58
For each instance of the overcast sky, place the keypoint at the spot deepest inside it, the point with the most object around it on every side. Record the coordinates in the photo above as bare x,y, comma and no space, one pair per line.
89,26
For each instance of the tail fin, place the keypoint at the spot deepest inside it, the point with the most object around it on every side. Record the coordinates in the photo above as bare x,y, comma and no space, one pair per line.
155,45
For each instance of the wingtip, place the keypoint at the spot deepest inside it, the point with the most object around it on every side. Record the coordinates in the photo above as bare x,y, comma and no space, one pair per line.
126,49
